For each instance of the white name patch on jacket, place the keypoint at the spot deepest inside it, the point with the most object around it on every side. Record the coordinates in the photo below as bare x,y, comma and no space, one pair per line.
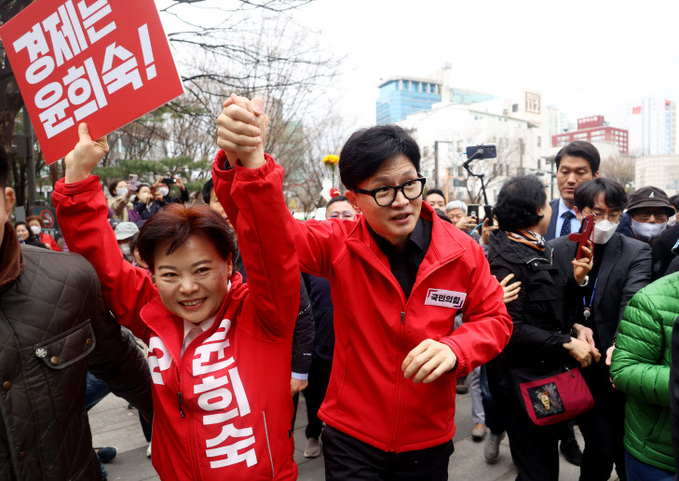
443,298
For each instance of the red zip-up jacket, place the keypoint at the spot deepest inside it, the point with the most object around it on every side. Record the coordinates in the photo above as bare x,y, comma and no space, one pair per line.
376,327
223,409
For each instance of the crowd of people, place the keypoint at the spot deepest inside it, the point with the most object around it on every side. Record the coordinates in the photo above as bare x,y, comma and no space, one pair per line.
377,315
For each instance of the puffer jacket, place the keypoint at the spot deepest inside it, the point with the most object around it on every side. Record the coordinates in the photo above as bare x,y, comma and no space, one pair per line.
54,327
641,369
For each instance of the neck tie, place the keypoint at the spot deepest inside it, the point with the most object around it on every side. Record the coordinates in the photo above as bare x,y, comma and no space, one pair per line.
566,226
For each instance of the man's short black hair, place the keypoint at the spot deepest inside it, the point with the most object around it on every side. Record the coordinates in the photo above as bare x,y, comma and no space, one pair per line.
4,168
518,202
580,148
674,201
367,149
337,198
434,191
207,187
588,191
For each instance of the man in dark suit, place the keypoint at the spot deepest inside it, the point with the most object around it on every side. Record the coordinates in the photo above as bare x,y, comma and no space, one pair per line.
575,163
622,266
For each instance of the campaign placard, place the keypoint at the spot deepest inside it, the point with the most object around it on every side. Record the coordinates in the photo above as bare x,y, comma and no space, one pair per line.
104,62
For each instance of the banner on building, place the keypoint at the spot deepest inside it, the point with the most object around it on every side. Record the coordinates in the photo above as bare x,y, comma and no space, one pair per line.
104,62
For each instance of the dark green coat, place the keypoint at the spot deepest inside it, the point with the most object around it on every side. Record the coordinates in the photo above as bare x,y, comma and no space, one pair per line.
641,369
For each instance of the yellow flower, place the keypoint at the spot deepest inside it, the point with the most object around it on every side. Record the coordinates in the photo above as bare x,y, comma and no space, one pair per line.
331,160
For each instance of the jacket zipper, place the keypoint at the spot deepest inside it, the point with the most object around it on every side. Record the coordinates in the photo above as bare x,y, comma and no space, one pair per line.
268,445
399,385
177,380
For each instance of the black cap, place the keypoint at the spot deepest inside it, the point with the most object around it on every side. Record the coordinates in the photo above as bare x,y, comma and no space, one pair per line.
650,197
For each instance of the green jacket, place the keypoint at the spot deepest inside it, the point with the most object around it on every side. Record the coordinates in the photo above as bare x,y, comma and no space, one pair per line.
641,369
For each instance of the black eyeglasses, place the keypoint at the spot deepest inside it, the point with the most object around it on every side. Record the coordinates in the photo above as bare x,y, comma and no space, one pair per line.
385,196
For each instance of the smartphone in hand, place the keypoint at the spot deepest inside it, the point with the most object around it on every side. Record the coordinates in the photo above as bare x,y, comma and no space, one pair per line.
132,182
584,235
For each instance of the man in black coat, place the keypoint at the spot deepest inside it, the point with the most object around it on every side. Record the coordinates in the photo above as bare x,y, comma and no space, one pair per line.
622,266
575,163
55,328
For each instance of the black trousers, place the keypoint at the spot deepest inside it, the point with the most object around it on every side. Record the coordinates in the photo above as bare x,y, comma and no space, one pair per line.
348,459
603,428
319,377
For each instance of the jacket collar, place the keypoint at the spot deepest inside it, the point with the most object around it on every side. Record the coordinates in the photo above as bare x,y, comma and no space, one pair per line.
443,248
11,257
170,328
515,252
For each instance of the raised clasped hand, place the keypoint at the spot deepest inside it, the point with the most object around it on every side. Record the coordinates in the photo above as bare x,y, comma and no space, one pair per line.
241,131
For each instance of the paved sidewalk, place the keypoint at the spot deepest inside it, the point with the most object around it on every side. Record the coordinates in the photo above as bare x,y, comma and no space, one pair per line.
115,425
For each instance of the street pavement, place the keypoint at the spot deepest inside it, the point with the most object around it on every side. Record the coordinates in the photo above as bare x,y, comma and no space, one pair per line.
113,424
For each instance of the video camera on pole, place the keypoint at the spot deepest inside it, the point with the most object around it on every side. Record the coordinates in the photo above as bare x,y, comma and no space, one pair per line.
475,152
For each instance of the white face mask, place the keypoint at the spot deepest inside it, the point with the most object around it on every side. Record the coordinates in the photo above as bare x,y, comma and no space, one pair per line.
672,221
645,231
163,191
36,229
142,197
125,248
603,231
121,192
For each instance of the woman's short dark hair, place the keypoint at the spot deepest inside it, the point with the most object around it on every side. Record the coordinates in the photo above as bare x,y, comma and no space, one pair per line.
587,192
112,186
176,223
580,148
518,202
367,149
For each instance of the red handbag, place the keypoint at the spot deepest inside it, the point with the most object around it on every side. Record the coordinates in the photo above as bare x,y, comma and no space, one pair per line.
555,398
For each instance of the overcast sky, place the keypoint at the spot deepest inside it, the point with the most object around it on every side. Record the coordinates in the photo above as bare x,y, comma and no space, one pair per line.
585,57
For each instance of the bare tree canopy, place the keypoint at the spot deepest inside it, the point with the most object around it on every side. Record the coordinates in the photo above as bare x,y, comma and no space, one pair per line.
247,47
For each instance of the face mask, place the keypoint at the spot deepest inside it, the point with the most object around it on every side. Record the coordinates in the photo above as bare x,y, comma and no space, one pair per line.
672,221
647,232
163,191
121,192
125,248
143,197
36,229
603,231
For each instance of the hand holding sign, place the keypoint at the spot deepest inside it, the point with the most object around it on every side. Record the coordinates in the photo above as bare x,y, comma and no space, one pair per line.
85,156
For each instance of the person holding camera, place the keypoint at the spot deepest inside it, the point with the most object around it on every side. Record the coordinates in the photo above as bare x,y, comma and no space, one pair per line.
163,185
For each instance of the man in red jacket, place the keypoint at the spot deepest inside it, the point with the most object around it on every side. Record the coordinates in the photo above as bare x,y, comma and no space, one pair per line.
398,277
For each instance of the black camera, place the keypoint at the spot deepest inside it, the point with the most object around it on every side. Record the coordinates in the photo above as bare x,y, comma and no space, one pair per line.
169,180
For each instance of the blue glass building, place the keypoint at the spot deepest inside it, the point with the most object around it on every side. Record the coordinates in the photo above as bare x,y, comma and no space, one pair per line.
402,96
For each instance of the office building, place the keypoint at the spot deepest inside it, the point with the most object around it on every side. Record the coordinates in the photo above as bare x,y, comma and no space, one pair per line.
402,96
596,130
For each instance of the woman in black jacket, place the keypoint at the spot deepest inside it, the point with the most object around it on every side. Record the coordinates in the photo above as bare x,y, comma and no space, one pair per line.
543,335
25,234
